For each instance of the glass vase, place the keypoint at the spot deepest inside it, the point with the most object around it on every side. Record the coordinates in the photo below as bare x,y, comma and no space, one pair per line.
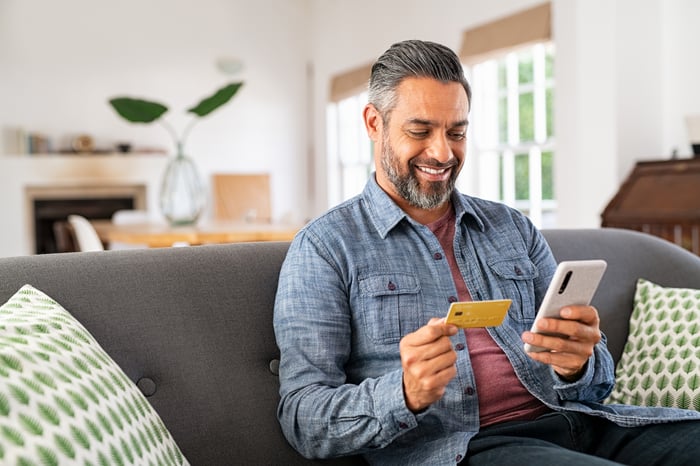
182,196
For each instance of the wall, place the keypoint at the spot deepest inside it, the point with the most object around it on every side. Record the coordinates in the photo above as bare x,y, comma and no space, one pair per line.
681,65
623,78
624,83
351,34
61,61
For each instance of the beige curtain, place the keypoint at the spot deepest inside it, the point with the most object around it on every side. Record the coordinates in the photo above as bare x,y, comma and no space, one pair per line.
490,39
478,44
350,83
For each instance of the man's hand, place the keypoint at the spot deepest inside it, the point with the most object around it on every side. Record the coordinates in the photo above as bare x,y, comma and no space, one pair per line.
428,362
580,326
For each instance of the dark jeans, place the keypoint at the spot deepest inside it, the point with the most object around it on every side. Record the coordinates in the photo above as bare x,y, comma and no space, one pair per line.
573,439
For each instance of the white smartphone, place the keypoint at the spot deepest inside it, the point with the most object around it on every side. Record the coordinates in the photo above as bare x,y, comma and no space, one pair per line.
573,283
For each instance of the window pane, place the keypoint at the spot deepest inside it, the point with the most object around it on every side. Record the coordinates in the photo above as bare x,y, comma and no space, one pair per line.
525,68
354,179
502,79
527,117
549,64
522,177
503,119
501,194
547,176
549,98
520,86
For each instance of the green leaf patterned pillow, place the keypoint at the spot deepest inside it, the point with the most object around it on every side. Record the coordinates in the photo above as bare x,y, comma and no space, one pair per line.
660,364
63,400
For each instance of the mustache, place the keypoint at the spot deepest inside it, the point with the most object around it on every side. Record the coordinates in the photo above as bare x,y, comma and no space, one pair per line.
432,163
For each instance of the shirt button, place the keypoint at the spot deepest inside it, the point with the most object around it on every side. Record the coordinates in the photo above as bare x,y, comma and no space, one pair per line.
437,256
391,286
452,299
518,272
459,347
469,391
458,458
403,425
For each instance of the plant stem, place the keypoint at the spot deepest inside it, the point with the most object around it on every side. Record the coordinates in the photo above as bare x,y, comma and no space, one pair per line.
187,130
171,130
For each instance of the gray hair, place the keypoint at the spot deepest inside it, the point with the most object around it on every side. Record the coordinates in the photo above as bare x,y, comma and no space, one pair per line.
412,58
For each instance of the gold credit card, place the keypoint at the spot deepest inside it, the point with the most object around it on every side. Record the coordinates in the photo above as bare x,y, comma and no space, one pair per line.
466,314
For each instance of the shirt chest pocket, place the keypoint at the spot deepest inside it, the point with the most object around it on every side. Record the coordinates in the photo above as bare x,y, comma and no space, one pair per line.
515,277
391,305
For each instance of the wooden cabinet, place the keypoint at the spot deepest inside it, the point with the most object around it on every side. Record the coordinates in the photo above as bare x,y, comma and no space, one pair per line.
661,198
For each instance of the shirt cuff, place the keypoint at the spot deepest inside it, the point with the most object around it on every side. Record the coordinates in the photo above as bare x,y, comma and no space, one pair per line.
395,418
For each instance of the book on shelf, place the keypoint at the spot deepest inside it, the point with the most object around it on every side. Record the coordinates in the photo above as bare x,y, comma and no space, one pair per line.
20,141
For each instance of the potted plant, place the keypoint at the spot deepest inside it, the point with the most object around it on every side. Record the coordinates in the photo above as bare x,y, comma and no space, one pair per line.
182,196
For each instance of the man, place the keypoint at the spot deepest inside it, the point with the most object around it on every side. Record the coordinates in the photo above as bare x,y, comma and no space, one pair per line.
369,366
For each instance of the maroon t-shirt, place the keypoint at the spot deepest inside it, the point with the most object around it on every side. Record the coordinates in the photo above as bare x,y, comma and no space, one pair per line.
501,395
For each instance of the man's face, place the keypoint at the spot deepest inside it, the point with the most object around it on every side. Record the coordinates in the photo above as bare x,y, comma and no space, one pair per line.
421,149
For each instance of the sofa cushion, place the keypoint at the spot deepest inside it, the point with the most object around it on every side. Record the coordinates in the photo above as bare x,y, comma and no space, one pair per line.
64,400
660,364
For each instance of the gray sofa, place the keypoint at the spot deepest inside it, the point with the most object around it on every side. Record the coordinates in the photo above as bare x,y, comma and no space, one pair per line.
192,327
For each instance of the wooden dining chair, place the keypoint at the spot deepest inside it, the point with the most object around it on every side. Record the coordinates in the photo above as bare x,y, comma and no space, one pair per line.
241,197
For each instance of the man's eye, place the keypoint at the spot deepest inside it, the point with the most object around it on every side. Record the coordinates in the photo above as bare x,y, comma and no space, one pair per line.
418,134
458,136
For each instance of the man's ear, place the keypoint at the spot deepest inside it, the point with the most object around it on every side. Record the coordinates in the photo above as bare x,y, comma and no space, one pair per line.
373,122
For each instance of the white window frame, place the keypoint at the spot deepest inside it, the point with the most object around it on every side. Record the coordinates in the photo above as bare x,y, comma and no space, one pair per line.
485,147
349,148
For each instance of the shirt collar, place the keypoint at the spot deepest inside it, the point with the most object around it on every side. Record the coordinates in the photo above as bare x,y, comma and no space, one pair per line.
386,215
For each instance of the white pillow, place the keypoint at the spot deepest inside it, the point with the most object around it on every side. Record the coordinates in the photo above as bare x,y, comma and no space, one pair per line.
63,400
660,364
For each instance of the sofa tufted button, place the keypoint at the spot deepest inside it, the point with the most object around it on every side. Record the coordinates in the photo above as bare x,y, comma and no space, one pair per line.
275,367
147,386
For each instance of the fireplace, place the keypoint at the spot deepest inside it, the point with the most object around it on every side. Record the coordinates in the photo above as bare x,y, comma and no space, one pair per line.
49,207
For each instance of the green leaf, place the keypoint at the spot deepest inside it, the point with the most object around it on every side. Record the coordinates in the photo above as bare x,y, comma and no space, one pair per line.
80,437
126,449
220,97
49,413
31,425
64,405
138,110
4,405
12,435
116,456
48,457
19,394
137,445
65,445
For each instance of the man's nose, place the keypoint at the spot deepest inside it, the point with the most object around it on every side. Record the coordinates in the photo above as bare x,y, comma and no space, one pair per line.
439,149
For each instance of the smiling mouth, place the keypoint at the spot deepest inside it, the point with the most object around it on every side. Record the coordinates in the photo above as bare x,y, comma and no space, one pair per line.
434,173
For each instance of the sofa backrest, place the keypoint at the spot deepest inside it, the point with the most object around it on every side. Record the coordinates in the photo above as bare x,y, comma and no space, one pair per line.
190,326
630,255
193,326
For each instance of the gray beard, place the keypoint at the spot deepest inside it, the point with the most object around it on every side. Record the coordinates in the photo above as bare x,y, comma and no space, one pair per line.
408,187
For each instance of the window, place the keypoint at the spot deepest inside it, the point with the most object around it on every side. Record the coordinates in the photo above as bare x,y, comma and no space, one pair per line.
349,147
512,133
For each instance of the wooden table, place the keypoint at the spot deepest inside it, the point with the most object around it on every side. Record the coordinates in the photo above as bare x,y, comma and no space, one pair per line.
158,235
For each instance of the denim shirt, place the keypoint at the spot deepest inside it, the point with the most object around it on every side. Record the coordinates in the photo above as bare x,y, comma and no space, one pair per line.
362,276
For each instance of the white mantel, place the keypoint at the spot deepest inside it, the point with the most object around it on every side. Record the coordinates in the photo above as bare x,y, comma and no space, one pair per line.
22,171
